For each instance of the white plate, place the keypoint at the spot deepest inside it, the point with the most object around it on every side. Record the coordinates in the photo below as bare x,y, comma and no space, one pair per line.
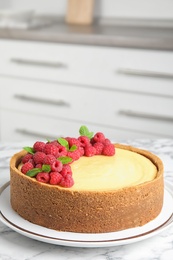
11,219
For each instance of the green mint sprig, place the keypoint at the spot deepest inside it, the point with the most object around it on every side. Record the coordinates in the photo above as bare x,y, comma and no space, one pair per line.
65,159
29,149
33,172
83,131
64,142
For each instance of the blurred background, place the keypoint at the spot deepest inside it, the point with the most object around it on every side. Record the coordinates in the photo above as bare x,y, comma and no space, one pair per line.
106,64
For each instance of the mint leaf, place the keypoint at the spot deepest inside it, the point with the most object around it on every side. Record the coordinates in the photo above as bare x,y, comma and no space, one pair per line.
85,132
33,172
46,168
73,148
65,159
29,149
63,142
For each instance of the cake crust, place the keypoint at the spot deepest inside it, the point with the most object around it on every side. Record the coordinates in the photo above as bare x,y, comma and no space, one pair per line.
63,209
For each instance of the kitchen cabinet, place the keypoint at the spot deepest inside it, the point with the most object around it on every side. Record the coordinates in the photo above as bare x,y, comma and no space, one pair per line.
49,90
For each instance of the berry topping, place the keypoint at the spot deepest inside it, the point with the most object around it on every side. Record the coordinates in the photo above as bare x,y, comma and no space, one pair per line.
38,146
51,149
49,159
84,140
27,157
39,157
67,181
55,178
66,170
90,151
108,150
49,162
26,167
99,148
43,177
56,166
99,137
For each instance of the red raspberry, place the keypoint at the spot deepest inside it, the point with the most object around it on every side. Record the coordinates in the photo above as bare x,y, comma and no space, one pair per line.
55,142
38,146
66,170
55,178
32,161
81,150
99,147
84,140
56,166
62,151
73,141
66,181
27,157
43,177
49,159
99,137
51,149
108,150
107,141
39,157
26,167
39,165
75,155
90,150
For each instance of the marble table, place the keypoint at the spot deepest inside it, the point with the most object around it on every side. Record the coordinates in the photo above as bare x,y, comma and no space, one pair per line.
14,246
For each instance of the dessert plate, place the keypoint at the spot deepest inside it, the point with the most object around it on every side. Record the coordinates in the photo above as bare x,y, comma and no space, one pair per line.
11,219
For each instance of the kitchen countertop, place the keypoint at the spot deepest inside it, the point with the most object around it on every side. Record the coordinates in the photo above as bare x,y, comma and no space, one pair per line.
14,246
129,33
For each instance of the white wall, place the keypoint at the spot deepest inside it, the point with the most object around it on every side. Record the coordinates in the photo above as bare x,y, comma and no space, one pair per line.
103,8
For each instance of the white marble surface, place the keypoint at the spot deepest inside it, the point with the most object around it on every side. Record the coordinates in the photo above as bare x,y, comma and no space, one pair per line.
14,246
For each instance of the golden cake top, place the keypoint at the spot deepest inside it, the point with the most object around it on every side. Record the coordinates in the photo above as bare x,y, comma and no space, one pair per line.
124,169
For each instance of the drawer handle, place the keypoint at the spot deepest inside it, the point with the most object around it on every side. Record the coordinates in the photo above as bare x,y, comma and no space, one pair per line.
35,134
145,115
144,73
42,100
39,63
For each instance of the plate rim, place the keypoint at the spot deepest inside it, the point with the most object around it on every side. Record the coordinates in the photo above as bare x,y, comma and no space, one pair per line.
88,243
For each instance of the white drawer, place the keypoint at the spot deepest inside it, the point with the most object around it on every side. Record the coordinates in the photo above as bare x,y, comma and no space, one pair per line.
16,126
112,109
104,67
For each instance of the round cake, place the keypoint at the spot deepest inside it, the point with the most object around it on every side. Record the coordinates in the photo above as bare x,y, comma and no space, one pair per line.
109,193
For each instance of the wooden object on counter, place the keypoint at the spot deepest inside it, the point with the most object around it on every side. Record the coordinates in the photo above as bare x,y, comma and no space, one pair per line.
80,12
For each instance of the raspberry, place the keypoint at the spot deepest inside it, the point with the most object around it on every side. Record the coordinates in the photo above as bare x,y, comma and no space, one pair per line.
49,159
26,167
73,141
51,149
27,157
99,147
56,166
108,150
107,141
55,178
66,170
62,151
66,181
99,137
39,165
38,146
55,142
39,157
81,150
90,150
75,155
43,177
84,140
